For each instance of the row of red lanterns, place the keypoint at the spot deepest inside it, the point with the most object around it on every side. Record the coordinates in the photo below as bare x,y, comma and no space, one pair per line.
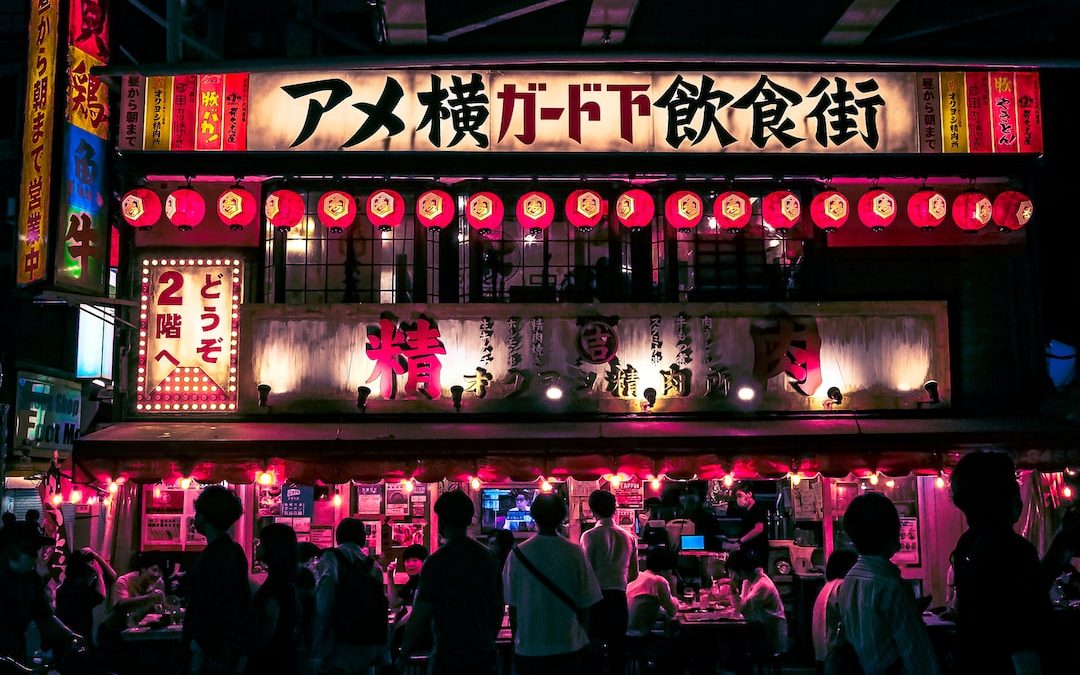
585,209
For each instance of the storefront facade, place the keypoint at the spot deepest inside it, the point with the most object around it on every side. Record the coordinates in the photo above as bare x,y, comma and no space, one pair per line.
358,288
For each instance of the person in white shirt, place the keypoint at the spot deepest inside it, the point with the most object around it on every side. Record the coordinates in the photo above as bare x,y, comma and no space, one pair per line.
878,616
756,598
612,554
649,597
825,620
550,588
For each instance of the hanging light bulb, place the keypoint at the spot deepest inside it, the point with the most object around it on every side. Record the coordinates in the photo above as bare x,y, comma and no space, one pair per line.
265,478
76,496
939,482
796,478
654,483
615,480
157,492
337,501
729,480
1067,492
474,483
57,499
407,485
874,478
185,482
890,483
114,487
545,486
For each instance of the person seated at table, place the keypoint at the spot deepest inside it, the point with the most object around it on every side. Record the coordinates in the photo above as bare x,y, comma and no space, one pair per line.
135,594
755,597
648,597
401,595
825,621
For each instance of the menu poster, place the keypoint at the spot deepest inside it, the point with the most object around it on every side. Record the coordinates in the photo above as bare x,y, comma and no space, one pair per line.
373,537
407,534
806,500
369,499
909,542
397,502
162,530
160,500
269,499
581,488
297,500
322,536
418,501
628,494
625,518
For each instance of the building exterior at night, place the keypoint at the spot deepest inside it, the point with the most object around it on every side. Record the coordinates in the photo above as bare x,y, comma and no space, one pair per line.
347,288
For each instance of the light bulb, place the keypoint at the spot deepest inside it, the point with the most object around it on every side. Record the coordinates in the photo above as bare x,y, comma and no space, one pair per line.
114,487
545,486
1067,492
266,478
75,497
407,485
796,478
554,393
57,499
890,483
874,478
157,492
337,501
729,480
91,500
474,483
615,481
939,482
746,393
655,484
185,482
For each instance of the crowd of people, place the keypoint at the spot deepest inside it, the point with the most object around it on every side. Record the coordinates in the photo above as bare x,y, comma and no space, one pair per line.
573,607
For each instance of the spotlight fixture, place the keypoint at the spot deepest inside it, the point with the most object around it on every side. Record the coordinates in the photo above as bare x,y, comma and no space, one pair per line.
554,393
456,392
362,394
931,388
264,394
835,395
746,393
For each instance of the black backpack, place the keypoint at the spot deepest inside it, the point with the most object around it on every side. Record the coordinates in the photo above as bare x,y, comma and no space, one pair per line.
360,608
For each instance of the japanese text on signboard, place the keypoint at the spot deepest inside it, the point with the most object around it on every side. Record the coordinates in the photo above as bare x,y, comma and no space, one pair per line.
188,335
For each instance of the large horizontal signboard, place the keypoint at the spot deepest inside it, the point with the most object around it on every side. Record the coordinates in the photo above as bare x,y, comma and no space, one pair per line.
541,111
569,358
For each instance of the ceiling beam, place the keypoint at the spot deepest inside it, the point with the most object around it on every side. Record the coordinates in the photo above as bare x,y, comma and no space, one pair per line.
856,24
406,22
608,22
505,12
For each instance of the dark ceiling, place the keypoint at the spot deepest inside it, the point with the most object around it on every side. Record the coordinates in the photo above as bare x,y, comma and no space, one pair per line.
1040,31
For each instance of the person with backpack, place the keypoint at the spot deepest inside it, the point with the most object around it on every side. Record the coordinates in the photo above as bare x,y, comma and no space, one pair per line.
550,588
350,627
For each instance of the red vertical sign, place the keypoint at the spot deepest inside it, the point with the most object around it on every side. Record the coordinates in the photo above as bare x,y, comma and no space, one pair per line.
236,112
1028,112
928,113
1003,111
185,95
978,112
132,103
209,118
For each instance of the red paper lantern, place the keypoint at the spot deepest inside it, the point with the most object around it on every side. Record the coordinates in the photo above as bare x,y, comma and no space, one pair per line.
635,208
535,211
829,210
236,207
972,211
683,209
337,210
585,209
1012,210
927,209
385,209
284,209
484,211
877,209
185,208
435,208
732,210
141,208
781,210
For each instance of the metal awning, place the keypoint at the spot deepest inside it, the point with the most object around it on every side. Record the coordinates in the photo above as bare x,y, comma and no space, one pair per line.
369,450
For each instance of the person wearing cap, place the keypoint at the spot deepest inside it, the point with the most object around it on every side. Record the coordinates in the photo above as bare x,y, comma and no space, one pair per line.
22,594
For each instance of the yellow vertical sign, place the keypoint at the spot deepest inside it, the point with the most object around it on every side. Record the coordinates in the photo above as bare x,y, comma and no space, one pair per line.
37,146
158,113
953,113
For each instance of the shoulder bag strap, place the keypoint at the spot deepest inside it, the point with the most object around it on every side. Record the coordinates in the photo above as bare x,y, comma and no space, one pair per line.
549,584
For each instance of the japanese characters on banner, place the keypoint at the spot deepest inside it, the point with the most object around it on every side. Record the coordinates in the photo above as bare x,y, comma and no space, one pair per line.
541,111
188,335
37,145
696,357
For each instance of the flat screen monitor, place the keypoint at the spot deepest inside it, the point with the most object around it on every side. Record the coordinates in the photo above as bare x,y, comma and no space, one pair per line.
692,542
508,508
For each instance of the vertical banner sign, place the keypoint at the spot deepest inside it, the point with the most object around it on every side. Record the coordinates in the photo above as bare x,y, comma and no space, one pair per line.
81,249
37,142
158,131
928,112
1028,112
132,101
236,112
1003,111
208,119
185,103
978,112
953,112
188,335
